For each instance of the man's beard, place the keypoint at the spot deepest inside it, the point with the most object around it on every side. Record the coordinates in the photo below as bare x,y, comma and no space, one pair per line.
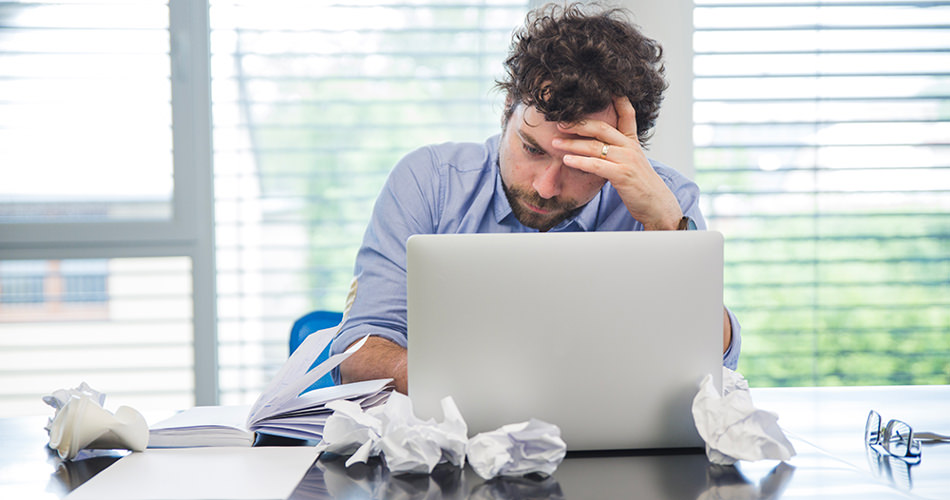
558,209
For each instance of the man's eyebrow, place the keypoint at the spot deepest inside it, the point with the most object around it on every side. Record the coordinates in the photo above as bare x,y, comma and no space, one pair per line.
530,140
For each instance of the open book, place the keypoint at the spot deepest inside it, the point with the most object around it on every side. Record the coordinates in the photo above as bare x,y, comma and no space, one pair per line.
280,410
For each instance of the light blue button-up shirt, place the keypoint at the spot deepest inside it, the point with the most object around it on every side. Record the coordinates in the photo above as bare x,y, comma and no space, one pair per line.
456,188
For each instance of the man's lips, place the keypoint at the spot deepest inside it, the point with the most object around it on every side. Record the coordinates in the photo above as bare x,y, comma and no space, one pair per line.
537,210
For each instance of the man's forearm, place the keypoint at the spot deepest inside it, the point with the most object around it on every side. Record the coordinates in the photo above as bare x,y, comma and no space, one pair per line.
378,358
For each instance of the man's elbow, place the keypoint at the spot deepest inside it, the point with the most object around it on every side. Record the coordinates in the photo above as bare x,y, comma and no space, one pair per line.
726,331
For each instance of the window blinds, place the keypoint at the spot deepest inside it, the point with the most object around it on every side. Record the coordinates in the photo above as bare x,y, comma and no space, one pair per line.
313,104
822,134
85,160
123,325
85,121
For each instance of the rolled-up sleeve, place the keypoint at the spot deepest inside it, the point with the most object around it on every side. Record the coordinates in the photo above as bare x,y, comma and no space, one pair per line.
404,207
730,358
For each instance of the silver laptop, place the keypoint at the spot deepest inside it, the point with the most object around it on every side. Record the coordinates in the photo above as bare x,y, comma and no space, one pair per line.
605,334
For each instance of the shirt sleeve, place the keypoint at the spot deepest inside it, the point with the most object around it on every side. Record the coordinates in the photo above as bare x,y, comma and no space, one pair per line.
730,358
407,205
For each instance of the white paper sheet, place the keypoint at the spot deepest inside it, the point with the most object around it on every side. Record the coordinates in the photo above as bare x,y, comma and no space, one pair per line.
238,473
292,379
305,403
228,416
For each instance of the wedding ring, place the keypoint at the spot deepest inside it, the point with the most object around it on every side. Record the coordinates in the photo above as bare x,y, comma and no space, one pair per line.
603,151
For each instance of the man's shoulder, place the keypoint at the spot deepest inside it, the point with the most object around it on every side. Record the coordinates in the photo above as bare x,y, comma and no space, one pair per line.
464,156
445,174
672,177
437,160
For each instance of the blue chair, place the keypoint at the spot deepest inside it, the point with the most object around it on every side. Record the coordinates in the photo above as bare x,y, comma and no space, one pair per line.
307,324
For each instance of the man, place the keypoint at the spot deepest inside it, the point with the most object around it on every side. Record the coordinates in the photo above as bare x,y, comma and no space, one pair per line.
583,91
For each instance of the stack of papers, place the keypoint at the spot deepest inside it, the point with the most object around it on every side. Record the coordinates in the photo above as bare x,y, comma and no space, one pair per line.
203,426
304,416
282,409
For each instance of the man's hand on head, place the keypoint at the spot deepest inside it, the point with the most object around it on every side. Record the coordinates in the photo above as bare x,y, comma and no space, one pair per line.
624,165
378,358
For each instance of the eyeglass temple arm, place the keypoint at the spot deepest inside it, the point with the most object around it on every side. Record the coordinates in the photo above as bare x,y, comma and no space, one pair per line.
930,436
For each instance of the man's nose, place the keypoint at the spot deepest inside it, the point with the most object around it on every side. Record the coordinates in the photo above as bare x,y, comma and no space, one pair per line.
548,181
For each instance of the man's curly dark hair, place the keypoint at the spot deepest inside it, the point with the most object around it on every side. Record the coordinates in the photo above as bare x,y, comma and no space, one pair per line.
569,63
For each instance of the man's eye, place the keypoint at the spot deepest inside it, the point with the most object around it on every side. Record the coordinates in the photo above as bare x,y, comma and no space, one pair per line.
533,151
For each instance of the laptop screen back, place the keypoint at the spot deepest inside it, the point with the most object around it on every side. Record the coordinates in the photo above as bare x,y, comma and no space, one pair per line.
605,334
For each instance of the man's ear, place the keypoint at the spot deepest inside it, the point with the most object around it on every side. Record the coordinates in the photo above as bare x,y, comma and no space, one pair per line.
508,111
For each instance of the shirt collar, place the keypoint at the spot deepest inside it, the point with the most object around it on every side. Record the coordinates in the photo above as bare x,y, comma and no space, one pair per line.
586,218
499,201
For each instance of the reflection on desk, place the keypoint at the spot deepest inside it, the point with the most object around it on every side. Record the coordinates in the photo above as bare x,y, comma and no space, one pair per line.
890,468
69,475
684,476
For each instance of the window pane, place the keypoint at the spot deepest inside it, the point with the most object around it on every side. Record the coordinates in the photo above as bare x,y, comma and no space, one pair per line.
821,145
85,115
313,105
122,325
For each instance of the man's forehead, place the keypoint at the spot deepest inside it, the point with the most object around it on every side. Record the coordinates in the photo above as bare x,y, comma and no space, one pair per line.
533,118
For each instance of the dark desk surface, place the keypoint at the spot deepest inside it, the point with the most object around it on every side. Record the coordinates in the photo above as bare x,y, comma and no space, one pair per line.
826,426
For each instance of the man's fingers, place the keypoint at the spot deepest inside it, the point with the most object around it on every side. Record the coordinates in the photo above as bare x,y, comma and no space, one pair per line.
626,117
597,133
586,147
601,168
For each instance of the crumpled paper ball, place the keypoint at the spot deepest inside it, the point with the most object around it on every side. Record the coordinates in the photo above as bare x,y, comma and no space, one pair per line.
732,427
517,449
350,431
82,423
58,398
406,443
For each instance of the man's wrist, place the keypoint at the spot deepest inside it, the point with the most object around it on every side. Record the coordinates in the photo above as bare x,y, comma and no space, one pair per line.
686,224
669,224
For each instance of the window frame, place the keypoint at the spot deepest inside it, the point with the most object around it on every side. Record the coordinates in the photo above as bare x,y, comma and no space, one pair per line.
190,231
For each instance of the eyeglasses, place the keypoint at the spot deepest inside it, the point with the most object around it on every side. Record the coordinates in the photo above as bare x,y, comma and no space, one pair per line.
896,437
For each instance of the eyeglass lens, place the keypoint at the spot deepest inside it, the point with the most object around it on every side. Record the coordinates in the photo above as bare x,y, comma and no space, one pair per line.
897,439
872,430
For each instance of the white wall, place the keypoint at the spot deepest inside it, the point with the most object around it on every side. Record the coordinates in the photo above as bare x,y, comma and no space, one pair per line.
671,22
